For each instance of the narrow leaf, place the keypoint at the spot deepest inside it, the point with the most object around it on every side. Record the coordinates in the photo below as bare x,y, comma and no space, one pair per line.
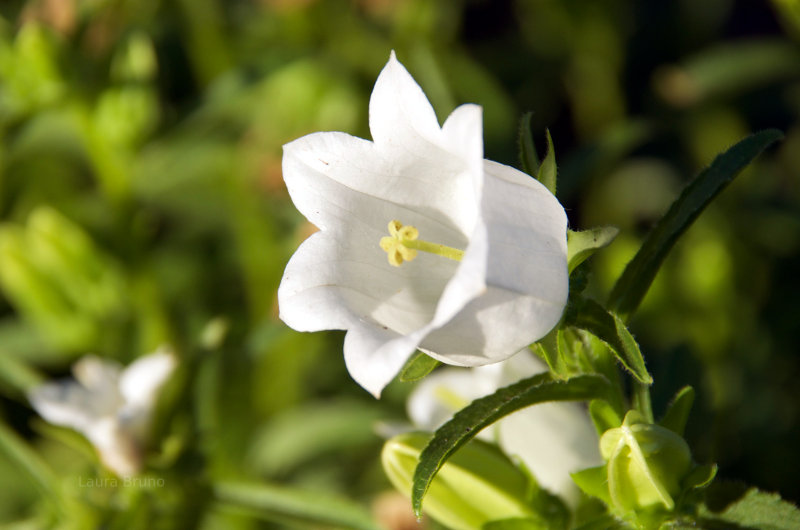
516,523
418,366
547,171
280,503
678,411
631,287
482,412
581,245
22,455
527,149
609,328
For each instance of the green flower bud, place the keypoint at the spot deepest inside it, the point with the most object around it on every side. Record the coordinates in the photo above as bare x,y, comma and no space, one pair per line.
476,485
646,464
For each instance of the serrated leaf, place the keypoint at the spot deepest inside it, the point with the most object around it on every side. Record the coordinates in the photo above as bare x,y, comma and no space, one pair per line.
528,157
678,411
581,245
631,287
282,504
547,349
482,412
548,172
609,328
752,509
417,366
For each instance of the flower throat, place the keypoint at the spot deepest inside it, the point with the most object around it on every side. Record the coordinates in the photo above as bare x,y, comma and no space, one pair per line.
402,245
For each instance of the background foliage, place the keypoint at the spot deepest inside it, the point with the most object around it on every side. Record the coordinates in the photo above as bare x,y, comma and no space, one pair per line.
142,203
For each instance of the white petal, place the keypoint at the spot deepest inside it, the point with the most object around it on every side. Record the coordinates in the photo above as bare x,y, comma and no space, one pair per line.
98,375
553,440
463,134
141,380
526,274
374,355
400,116
118,450
340,181
65,403
373,363
333,282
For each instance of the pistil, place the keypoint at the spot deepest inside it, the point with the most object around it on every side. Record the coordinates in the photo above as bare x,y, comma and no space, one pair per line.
403,244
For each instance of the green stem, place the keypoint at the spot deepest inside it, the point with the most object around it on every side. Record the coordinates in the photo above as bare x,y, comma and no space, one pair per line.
641,400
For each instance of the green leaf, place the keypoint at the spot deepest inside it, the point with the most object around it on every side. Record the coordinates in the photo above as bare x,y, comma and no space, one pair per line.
593,482
417,366
581,245
547,349
17,451
302,433
700,476
604,416
742,507
631,287
527,149
678,410
282,504
516,523
547,171
604,522
609,328
482,412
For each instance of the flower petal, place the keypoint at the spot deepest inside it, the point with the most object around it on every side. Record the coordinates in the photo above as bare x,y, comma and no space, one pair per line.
142,379
374,355
553,440
340,181
65,403
526,274
400,116
98,375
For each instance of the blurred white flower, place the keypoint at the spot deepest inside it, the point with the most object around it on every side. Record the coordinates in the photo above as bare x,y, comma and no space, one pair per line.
551,439
477,265
109,405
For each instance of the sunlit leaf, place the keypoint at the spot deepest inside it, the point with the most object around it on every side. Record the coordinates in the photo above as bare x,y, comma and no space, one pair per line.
631,287
581,245
418,366
485,411
678,411
548,172
609,328
528,157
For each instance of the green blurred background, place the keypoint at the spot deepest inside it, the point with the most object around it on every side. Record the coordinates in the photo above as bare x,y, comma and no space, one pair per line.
142,202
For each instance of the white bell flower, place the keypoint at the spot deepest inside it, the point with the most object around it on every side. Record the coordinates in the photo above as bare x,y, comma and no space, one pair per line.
551,439
109,405
477,251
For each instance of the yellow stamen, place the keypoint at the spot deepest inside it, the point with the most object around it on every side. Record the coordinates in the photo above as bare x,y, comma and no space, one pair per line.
402,245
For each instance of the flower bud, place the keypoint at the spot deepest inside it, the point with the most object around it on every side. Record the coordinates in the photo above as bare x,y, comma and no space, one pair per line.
476,485
646,464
